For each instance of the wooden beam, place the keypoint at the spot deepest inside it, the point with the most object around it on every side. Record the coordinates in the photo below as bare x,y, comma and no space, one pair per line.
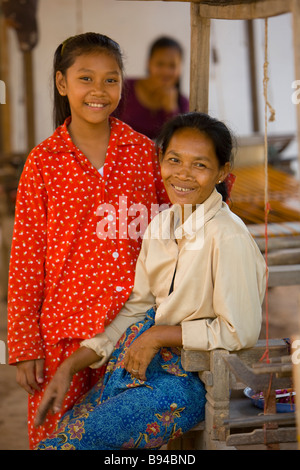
246,11
238,10
210,2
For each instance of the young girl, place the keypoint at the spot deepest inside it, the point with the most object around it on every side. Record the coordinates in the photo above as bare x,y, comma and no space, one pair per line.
199,284
70,272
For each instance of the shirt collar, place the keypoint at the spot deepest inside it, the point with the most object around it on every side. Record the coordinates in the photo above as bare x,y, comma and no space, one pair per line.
121,134
172,226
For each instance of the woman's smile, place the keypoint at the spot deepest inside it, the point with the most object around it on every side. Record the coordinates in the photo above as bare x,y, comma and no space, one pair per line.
182,189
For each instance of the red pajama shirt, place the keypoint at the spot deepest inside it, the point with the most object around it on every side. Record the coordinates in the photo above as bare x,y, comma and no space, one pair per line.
75,245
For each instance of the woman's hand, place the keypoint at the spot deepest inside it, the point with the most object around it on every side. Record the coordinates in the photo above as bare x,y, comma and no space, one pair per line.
141,353
30,374
143,349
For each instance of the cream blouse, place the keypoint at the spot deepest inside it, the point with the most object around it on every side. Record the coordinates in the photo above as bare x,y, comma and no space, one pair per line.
219,283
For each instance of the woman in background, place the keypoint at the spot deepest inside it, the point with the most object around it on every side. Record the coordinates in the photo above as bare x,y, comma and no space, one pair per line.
149,102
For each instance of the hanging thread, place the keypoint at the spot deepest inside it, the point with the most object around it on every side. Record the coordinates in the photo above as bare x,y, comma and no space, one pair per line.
266,189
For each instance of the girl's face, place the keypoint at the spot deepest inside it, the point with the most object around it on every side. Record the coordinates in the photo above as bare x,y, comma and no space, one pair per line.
93,86
165,67
190,168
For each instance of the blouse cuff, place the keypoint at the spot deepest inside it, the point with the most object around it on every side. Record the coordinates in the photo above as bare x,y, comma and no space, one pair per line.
102,346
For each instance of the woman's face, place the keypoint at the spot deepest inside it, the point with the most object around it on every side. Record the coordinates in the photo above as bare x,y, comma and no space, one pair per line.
165,67
190,168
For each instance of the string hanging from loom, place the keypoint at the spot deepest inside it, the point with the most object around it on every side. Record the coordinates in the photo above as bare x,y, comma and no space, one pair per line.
267,207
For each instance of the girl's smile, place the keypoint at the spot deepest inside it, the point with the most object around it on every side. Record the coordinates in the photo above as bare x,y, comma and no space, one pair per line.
190,168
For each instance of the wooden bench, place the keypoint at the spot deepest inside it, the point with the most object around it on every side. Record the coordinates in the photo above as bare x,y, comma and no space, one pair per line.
227,410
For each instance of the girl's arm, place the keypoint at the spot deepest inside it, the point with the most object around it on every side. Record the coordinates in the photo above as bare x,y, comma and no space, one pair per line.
27,265
59,385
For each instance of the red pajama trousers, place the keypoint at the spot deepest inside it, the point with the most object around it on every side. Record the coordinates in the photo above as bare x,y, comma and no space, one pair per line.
81,383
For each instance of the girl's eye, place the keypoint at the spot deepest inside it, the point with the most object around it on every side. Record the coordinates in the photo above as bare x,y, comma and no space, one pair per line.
199,165
85,79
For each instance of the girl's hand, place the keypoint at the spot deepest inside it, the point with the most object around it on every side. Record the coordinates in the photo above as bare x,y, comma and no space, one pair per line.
143,349
54,394
30,374
58,387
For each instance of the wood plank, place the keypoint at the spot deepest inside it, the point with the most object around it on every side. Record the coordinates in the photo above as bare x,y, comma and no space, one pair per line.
246,375
288,275
259,420
261,436
194,360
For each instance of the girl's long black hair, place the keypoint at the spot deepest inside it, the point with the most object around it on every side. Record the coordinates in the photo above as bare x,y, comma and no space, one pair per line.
65,56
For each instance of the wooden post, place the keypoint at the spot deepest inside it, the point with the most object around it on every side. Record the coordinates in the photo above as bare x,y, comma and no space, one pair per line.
217,404
252,73
5,133
200,54
296,33
296,379
29,99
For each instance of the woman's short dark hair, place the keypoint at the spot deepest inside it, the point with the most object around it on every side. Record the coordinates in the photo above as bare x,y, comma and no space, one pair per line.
164,42
65,56
216,130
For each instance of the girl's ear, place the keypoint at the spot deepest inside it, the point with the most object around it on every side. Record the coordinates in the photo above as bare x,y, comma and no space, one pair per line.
61,83
160,155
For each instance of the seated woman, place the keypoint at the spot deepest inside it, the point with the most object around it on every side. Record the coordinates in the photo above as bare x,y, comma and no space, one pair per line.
199,284
147,103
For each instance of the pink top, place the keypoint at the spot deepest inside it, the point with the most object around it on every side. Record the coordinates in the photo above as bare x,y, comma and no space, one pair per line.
141,119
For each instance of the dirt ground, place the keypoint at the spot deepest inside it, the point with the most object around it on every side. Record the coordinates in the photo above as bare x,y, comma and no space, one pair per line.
284,321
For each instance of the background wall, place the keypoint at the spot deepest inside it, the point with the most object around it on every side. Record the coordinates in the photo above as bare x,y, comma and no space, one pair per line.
134,25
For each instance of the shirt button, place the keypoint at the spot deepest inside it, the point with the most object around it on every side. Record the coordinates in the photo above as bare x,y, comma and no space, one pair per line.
115,255
119,288
110,217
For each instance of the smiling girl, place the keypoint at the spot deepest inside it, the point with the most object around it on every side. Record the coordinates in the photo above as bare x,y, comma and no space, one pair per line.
197,296
66,284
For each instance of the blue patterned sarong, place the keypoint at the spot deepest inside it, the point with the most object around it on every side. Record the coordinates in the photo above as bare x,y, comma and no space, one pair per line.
122,412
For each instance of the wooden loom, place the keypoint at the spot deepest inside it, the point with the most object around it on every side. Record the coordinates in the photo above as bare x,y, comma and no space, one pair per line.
218,368
248,191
